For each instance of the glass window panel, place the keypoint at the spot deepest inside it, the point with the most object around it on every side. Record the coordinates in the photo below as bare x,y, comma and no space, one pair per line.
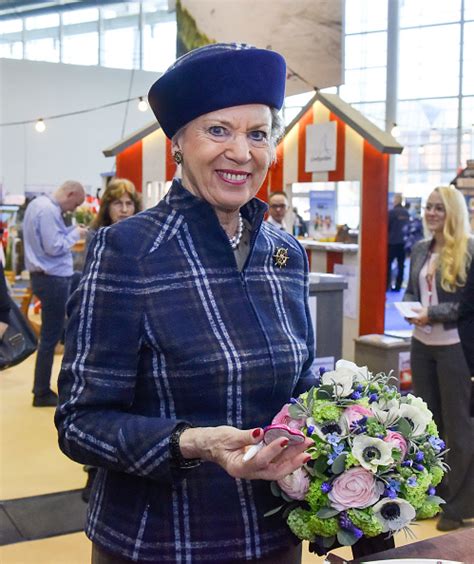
364,85
10,26
81,49
468,112
112,11
366,50
365,15
42,22
46,49
80,16
159,46
425,12
468,59
429,62
155,6
12,50
120,48
375,112
468,9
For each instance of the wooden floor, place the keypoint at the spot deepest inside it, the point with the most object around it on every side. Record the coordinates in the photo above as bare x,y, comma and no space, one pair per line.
32,464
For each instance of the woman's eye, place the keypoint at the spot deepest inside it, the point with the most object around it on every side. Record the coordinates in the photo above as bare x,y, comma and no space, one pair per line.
258,135
217,130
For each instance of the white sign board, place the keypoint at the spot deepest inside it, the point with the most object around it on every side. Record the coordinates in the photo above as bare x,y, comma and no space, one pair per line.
321,147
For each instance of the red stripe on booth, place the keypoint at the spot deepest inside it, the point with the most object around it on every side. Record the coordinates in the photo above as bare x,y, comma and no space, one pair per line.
129,164
373,241
276,171
338,174
333,258
307,119
170,165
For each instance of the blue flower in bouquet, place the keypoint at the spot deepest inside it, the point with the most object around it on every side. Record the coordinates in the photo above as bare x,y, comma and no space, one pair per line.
376,458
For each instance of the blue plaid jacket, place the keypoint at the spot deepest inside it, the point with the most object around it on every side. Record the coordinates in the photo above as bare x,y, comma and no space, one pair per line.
164,329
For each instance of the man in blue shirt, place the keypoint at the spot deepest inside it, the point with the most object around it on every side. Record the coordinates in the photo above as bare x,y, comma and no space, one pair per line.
48,257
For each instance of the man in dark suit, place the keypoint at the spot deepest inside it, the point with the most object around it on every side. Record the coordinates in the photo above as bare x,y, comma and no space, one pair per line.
398,221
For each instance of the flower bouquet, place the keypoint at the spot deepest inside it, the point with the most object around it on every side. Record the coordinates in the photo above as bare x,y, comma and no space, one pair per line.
376,459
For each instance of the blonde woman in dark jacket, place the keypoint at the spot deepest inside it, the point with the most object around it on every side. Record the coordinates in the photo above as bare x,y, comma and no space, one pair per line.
441,377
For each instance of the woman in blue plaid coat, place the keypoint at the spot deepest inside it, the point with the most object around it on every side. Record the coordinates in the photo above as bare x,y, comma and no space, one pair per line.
190,330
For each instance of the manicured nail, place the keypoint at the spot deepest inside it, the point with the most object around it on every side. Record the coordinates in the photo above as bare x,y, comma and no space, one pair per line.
256,433
284,442
307,459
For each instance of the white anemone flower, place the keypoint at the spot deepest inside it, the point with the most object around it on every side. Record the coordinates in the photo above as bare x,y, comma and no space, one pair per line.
361,373
393,514
419,403
342,379
418,418
372,452
386,411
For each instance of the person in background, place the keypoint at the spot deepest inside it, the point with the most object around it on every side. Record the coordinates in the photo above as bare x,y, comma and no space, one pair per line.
299,225
277,208
398,222
466,323
48,257
190,329
440,373
119,201
4,303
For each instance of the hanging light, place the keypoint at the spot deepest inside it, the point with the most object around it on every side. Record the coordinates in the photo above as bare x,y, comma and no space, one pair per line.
395,130
421,150
142,104
40,126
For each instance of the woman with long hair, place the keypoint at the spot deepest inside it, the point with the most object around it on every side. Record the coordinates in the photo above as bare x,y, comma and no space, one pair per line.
438,272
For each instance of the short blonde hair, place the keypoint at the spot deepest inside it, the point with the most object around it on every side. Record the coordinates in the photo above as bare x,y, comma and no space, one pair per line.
454,258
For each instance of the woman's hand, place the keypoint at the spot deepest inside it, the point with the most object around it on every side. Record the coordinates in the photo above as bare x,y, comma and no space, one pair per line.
226,446
3,328
422,318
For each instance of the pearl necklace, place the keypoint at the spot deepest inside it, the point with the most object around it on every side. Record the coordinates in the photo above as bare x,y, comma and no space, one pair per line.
235,240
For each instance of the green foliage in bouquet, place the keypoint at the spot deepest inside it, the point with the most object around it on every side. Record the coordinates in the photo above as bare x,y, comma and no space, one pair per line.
376,459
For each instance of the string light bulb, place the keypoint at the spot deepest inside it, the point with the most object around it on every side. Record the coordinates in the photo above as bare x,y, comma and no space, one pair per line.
40,126
395,130
142,104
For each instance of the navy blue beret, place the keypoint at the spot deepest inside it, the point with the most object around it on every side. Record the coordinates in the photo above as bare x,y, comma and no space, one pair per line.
220,75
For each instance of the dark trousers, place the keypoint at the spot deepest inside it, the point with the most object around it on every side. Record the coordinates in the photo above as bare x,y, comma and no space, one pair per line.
291,555
396,252
53,291
441,377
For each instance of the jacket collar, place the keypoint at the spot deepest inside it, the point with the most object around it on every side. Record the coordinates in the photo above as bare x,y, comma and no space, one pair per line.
198,210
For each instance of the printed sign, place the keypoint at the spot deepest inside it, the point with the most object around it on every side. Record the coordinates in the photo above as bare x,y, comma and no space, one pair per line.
321,147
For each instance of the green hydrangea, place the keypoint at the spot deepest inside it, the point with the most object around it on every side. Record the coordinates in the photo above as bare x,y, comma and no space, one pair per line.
427,510
315,497
416,495
324,527
437,474
365,520
351,460
374,428
431,429
299,522
306,526
325,411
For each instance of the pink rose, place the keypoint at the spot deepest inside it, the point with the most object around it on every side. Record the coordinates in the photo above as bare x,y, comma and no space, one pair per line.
284,417
355,488
296,484
355,412
398,441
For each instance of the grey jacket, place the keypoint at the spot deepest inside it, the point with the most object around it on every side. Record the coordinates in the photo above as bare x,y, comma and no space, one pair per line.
447,311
